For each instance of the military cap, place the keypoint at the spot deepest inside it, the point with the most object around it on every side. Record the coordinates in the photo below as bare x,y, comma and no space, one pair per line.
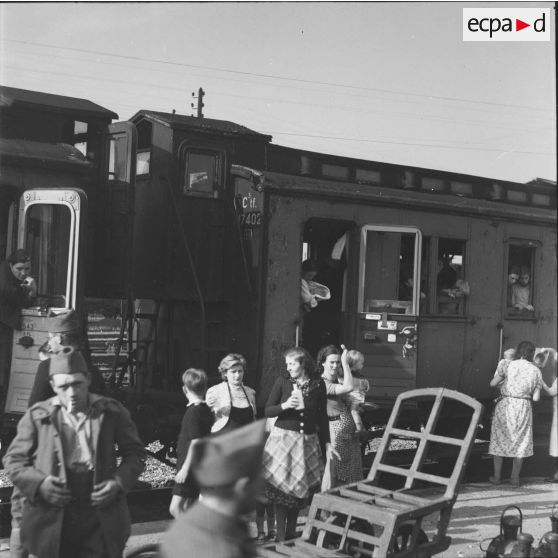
67,361
63,323
223,459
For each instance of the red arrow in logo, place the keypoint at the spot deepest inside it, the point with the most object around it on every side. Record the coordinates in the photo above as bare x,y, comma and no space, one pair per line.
519,25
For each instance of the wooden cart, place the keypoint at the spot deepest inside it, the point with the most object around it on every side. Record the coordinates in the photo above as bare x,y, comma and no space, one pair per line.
364,520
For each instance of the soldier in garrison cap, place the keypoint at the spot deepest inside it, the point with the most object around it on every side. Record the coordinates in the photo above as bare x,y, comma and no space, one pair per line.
227,468
63,331
64,461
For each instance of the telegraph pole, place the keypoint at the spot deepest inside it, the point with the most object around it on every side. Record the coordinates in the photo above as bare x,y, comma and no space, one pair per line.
200,106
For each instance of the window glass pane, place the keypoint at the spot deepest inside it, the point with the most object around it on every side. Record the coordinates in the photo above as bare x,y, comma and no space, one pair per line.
80,127
112,158
47,239
118,158
452,287
200,172
81,147
425,275
143,160
520,280
389,272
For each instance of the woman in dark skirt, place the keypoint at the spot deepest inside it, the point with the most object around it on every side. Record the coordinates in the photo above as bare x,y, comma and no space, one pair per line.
292,460
233,404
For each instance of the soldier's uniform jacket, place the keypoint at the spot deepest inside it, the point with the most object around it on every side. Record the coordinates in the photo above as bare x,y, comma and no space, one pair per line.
37,452
202,532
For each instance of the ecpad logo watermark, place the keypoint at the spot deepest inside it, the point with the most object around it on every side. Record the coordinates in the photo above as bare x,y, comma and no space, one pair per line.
506,24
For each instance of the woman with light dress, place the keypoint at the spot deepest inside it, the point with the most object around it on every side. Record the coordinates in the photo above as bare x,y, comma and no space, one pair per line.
233,404
512,424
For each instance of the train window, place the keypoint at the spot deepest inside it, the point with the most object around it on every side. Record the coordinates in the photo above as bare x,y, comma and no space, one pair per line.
80,136
143,152
519,289
390,264
202,172
48,241
118,158
143,161
451,285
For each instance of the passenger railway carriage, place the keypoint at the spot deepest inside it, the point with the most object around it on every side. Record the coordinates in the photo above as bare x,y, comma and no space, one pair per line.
179,239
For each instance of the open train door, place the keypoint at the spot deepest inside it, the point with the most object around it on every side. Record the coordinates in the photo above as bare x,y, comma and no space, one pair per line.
50,228
388,306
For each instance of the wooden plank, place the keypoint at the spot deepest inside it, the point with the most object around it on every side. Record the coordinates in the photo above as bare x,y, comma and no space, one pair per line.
432,478
356,509
341,531
363,537
375,500
426,549
405,433
376,490
393,469
321,525
323,552
367,498
293,551
446,440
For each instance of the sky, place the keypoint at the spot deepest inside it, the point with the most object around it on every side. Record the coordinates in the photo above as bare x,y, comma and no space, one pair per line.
391,82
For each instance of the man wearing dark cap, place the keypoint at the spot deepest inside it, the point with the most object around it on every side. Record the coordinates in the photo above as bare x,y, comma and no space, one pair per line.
227,468
63,331
63,459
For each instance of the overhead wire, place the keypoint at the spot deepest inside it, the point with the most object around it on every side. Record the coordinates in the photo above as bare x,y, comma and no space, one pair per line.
360,110
287,85
277,77
302,103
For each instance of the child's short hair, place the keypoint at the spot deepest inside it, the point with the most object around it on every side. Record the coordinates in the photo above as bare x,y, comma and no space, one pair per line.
195,380
353,357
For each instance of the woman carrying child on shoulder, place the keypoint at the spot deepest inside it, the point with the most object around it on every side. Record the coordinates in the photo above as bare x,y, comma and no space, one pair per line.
342,427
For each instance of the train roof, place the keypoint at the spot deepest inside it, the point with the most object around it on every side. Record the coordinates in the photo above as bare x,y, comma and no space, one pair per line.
203,125
337,164
340,163
11,97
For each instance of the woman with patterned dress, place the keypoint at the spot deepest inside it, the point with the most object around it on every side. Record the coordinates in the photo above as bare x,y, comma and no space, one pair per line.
342,427
512,425
233,404
292,460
